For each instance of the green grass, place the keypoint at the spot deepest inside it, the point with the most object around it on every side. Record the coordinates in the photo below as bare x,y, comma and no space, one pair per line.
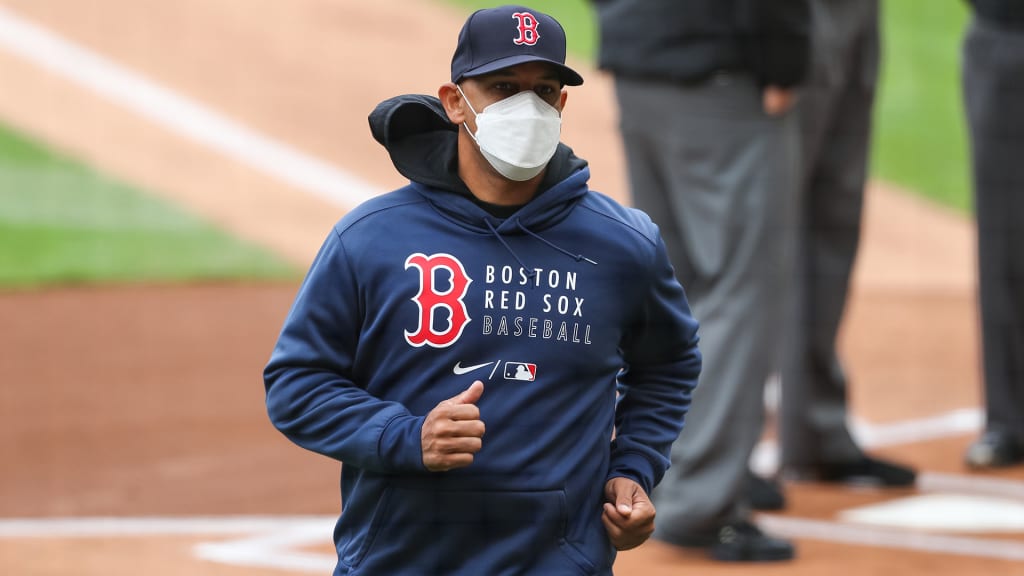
63,223
919,132
576,16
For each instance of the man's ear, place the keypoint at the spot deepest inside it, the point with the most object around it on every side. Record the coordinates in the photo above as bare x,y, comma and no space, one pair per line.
562,98
452,102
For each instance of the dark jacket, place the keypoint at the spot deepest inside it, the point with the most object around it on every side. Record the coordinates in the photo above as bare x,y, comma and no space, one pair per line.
1005,13
689,40
417,293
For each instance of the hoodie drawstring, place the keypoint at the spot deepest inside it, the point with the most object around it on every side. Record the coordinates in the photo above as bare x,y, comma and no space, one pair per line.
530,272
507,247
576,257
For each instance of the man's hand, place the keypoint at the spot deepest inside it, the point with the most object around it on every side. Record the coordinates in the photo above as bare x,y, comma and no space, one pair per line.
776,100
628,513
452,431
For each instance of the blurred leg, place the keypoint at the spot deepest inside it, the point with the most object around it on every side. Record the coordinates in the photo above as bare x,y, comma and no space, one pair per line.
994,96
836,127
718,176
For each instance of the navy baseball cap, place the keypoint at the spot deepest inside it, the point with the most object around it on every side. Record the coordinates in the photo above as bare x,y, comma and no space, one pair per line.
496,38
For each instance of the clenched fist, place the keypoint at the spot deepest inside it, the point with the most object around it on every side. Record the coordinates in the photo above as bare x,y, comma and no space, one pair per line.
453,431
628,513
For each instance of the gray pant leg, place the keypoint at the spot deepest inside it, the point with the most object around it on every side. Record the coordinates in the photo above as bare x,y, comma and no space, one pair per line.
993,82
835,110
719,178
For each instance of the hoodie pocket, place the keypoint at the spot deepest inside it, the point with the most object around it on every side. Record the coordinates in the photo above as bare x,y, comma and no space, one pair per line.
468,532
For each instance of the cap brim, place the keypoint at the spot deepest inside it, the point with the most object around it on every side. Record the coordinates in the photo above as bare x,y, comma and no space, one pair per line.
568,76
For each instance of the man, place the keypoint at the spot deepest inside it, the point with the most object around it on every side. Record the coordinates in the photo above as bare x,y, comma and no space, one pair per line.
835,116
705,90
993,88
500,356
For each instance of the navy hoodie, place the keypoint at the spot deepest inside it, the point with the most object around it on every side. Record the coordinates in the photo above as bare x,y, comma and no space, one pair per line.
567,309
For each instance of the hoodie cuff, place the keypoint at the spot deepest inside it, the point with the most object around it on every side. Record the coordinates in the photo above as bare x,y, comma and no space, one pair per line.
634,466
400,448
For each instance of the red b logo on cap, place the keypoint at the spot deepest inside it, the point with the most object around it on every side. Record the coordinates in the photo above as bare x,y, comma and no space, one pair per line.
527,29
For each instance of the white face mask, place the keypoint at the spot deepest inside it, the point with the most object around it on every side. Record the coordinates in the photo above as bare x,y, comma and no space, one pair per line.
517,135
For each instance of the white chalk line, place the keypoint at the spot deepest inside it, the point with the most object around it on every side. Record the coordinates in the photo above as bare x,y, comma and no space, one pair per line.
871,536
119,526
765,458
976,484
178,113
262,541
281,549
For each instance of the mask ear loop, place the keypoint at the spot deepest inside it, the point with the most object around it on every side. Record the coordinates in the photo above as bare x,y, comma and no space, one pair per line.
475,114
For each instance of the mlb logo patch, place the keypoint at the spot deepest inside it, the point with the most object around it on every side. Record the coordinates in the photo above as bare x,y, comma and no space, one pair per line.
520,371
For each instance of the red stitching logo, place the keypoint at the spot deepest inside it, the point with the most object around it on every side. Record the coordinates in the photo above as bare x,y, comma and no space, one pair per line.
434,303
527,28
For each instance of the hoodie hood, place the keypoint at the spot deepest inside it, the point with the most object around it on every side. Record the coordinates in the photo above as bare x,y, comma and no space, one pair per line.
423,145
420,139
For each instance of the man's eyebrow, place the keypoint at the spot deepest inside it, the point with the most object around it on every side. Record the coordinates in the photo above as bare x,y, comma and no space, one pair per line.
550,74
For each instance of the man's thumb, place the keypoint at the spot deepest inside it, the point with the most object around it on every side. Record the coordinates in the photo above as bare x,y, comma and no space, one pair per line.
470,395
619,493
624,504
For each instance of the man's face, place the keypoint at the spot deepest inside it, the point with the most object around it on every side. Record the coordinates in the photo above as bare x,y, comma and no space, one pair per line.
482,91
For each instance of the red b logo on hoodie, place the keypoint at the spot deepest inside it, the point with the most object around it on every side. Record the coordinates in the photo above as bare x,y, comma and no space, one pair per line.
430,300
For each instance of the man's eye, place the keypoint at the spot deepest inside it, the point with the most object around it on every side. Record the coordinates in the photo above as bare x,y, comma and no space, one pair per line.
548,94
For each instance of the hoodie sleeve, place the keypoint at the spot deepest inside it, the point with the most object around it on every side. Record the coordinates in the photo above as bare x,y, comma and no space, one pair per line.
655,390
311,395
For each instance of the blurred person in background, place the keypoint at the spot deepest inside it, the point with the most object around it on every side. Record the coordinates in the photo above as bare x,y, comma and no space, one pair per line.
993,88
705,91
835,111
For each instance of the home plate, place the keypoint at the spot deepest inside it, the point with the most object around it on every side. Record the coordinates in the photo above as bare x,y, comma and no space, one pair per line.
943,512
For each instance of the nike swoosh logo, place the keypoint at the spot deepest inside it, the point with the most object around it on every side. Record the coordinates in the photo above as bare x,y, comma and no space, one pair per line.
460,369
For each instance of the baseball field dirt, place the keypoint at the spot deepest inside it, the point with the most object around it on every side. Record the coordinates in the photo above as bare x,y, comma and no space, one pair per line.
135,438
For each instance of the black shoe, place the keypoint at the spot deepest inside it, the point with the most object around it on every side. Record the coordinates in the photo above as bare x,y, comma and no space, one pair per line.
744,542
994,449
739,541
865,471
764,493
